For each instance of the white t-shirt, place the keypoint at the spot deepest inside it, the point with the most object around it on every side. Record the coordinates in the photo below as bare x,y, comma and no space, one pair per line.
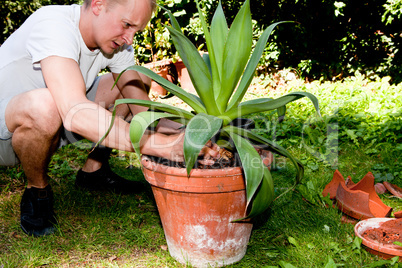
52,31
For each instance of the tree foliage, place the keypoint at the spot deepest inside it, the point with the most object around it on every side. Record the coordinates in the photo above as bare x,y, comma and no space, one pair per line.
331,39
14,13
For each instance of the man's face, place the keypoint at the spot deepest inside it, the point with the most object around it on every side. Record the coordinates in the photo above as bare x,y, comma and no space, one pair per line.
116,24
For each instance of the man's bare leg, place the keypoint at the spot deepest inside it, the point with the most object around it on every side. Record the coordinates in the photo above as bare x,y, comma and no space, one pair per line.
33,119
35,122
96,173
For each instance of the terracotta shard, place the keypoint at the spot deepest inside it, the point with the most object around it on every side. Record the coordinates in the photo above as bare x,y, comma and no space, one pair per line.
331,187
395,190
348,182
380,188
361,200
398,214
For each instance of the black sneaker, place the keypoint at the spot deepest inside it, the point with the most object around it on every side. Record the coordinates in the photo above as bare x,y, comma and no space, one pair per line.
104,179
37,215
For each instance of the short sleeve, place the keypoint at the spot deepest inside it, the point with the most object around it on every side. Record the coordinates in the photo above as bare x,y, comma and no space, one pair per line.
53,38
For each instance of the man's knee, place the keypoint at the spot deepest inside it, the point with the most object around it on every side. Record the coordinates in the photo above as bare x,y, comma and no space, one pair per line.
34,109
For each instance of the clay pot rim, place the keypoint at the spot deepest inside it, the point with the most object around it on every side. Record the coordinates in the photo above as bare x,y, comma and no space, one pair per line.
363,225
199,181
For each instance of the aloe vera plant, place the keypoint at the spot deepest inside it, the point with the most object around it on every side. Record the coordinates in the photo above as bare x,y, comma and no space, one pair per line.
221,78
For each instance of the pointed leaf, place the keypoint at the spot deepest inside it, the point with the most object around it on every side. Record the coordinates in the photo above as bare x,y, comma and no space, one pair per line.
219,32
197,69
270,146
236,54
264,196
173,21
267,104
139,125
251,162
188,98
251,66
157,106
199,131
214,69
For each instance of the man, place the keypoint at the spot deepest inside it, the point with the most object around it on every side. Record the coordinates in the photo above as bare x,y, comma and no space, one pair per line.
48,81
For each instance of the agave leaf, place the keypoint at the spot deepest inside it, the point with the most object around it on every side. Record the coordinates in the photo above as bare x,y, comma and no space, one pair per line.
267,104
251,162
236,54
219,32
213,68
139,125
270,146
188,98
264,196
207,60
281,113
199,131
157,106
180,113
197,69
251,66
174,22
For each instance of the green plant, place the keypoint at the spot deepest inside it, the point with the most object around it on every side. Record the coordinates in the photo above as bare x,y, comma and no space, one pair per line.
221,79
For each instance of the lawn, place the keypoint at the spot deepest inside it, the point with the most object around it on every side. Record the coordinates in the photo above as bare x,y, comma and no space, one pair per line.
359,132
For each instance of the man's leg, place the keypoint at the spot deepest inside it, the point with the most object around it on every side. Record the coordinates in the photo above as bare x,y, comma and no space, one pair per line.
96,173
34,120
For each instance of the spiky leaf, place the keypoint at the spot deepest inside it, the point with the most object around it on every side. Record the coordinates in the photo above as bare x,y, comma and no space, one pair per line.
199,131
139,125
236,54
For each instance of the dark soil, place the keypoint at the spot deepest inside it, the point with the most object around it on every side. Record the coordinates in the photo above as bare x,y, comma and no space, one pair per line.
387,233
219,163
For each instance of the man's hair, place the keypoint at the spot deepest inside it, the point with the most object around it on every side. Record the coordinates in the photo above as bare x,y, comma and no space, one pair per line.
87,3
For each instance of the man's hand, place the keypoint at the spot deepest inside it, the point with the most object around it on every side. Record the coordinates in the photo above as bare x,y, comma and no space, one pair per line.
171,147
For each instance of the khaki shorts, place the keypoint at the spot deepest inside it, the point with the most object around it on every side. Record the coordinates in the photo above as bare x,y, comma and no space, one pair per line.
7,154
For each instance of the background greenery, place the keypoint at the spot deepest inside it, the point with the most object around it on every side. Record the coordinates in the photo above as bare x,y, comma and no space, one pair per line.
331,39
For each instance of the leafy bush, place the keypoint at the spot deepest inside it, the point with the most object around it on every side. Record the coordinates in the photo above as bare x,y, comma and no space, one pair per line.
357,114
332,39
14,13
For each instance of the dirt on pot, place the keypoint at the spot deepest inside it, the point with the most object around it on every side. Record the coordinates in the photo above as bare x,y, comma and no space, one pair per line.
387,233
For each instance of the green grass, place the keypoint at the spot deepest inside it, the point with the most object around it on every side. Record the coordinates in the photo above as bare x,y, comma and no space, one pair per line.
109,230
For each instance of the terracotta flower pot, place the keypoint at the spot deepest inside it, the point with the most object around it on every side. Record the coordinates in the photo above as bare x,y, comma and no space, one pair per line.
184,77
197,213
162,68
378,234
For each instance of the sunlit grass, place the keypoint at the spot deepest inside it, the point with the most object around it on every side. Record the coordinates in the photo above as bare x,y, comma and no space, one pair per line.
109,230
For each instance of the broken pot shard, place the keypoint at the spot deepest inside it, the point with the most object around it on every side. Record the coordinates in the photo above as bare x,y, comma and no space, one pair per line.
393,189
361,200
331,187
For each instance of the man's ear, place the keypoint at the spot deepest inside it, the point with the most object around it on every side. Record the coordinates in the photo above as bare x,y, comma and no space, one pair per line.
97,6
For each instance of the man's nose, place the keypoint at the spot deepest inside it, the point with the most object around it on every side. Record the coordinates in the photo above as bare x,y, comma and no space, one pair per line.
129,36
